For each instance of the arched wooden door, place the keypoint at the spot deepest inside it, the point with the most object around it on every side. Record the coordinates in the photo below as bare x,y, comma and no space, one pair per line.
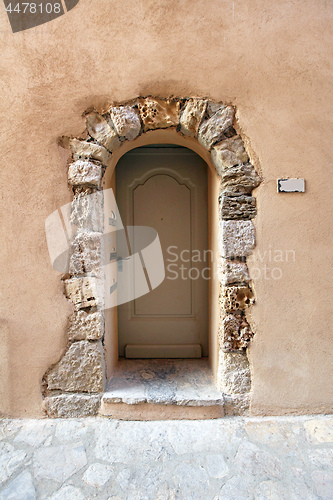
166,188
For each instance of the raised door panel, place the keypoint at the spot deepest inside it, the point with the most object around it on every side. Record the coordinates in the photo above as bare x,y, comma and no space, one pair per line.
164,204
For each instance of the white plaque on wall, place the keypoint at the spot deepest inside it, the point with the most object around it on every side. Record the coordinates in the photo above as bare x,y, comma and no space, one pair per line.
291,185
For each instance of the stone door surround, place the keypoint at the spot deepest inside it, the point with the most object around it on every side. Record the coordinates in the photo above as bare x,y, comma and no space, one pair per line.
74,385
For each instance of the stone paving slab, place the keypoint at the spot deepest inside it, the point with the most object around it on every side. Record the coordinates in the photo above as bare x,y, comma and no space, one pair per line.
186,382
280,458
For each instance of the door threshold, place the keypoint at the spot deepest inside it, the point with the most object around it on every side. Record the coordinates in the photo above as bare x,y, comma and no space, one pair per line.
162,389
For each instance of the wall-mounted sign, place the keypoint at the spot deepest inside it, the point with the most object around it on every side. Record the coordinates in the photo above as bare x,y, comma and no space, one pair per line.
291,185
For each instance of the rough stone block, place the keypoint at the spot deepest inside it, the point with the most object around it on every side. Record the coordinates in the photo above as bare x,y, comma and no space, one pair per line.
235,333
240,179
158,113
97,475
192,116
87,210
232,271
237,207
85,173
72,405
21,487
213,107
236,238
323,483
228,153
87,255
100,130
212,130
11,460
236,405
84,190
81,369
85,292
85,149
86,326
319,430
125,121
67,491
57,463
234,376
235,297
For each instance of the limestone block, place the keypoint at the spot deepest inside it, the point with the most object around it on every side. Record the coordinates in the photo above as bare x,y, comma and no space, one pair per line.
87,210
234,376
232,271
21,487
192,116
58,463
228,153
85,149
33,434
236,238
72,405
97,475
87,255
10,459
262,464
235,297
100,130
86,326
213,107
85,173
125,121
85,292
240,179
84,190
319,430
237,207
67,491
81,369
238,404
158,113
323,483
321,457
235,333
212,130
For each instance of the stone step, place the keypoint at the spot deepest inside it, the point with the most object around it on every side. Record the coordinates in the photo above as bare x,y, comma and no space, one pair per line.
159,389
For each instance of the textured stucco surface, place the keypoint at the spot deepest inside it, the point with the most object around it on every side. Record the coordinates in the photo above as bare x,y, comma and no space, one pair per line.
273,62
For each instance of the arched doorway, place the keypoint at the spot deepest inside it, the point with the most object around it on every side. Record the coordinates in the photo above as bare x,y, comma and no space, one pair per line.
165,187
74,385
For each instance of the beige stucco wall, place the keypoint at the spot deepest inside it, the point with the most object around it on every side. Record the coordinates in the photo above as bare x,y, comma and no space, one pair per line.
270,59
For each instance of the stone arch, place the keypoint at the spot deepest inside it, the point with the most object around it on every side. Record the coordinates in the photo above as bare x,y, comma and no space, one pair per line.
74,386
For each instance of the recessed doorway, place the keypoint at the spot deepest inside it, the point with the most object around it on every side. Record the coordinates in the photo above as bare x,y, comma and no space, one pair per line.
165,187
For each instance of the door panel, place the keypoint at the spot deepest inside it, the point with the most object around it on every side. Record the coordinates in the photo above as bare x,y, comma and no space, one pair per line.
152,207
166,189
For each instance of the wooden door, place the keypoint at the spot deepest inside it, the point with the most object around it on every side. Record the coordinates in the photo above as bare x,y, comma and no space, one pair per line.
166,188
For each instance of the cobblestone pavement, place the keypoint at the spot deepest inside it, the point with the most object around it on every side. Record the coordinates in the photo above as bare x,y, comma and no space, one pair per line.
231,458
